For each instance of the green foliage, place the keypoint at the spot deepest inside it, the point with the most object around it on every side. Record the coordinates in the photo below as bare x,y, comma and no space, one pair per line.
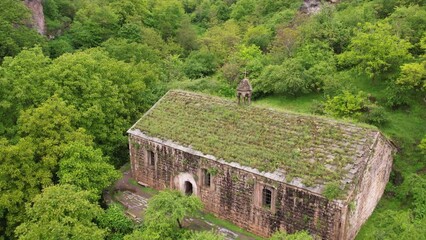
92,25
58,15
21,86
165,16
168,208
115,220
164,214
85,167
414,188
422,145
61,212
409,22
20,180
346,105
259,36
374,50
332,191
282,235
200,63
398,225
14,34
298,75
108,94
51,127
206,235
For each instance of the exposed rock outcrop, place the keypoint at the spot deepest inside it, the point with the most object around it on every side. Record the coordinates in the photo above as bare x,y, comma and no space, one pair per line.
313,6
36,8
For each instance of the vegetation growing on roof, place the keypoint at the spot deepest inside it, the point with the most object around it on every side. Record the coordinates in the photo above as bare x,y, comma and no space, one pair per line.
314,149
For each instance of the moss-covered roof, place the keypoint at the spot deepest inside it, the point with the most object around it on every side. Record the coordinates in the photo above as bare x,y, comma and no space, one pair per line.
315,149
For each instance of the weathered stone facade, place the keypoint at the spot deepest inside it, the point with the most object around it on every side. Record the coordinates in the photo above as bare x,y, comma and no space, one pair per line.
262,202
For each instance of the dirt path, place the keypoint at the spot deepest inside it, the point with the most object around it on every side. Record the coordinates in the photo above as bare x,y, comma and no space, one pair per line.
135,198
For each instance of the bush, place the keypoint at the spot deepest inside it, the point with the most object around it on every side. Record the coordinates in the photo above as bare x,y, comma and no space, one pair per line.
375,115
200,63
116,221
397,96
287,78
346,105
332,191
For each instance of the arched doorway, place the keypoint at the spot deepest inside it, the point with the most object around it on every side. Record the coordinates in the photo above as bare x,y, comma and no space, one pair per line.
188,188
186,183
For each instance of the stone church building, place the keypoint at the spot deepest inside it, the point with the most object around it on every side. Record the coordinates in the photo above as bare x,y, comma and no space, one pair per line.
262,169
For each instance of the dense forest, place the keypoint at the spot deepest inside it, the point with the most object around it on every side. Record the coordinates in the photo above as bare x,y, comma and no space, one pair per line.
68,96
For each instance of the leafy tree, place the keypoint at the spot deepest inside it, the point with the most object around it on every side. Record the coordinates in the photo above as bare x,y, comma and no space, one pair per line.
31,164
414,189
166,16
325,27
374,50
346,105
186,36
165,212
115,220
85,167
284,44
206,235
222,40
61,212
413,75
20,180
355,106
243,9
108,93
304,73
288,78
398,225
21,86
282,235
51,127
131,52
93,24
59,15
409,23
259,36
200,63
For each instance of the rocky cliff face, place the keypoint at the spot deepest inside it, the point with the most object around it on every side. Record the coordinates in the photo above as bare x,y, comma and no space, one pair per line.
36,8
313,6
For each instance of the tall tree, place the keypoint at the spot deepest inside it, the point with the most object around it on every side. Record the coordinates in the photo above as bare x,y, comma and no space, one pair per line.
85,167
61,212
375,50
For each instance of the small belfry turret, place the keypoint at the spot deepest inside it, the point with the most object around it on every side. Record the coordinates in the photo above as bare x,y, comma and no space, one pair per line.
244,91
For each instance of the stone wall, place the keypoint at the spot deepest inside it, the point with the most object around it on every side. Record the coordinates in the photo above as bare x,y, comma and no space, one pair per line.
235,194
372,183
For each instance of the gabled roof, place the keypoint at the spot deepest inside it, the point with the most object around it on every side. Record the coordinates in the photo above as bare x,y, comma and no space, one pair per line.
304,149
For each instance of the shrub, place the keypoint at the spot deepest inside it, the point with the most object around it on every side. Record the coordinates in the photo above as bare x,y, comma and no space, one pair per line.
375,115
200,63
332,191
346,105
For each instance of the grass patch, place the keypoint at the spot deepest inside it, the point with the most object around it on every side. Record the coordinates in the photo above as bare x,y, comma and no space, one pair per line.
228,225
301,104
